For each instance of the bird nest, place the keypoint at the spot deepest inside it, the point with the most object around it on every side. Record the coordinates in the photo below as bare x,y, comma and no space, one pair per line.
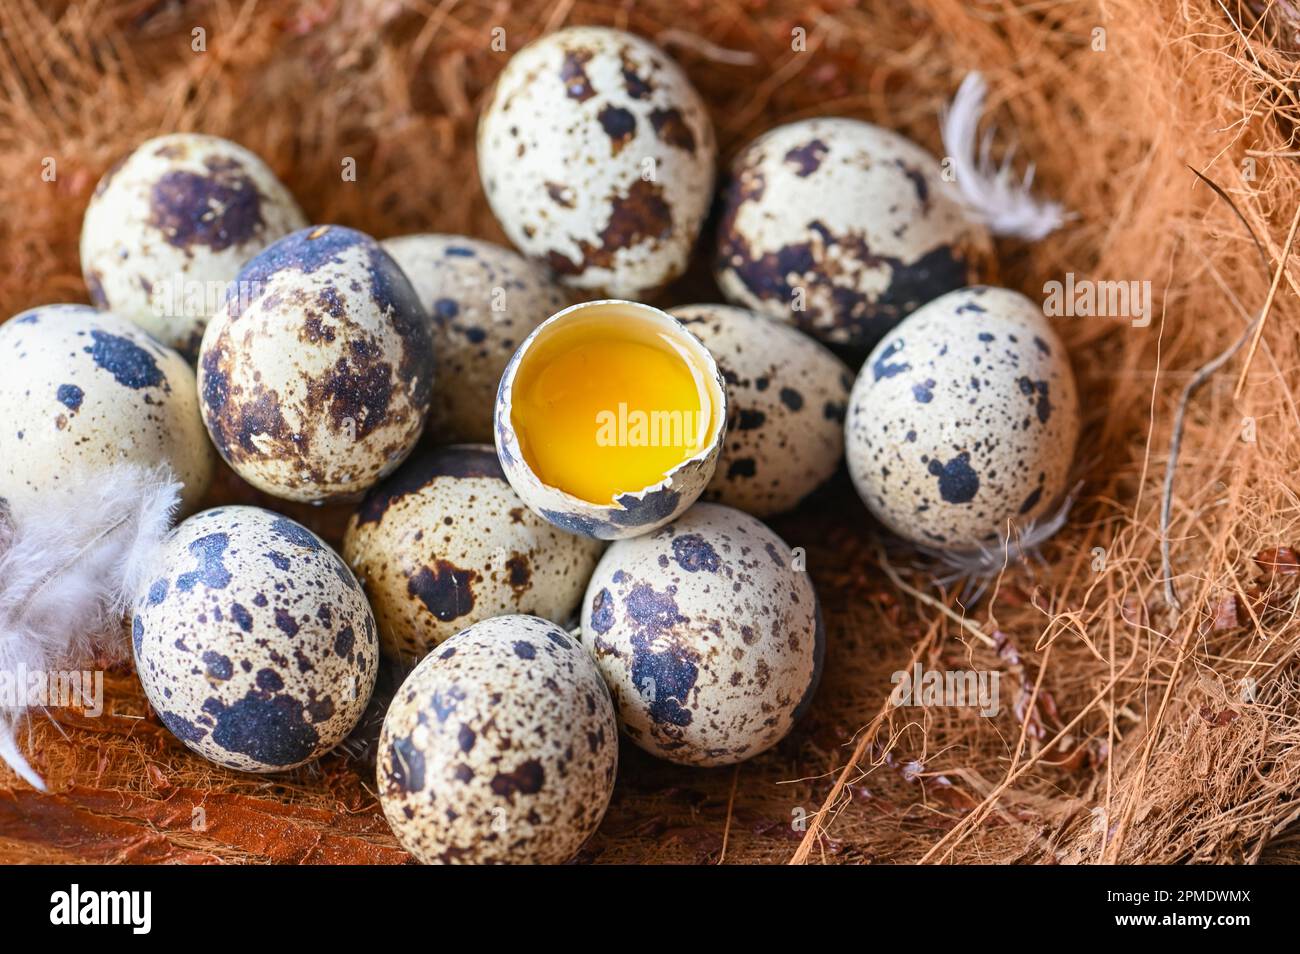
1146,657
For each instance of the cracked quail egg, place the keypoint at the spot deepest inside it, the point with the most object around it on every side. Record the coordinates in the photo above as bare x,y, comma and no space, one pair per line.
499,748
484,301
843,228
253,640
708,635
85,389
314,380
610,418
445,542
964,420
597,156
786,398
169,227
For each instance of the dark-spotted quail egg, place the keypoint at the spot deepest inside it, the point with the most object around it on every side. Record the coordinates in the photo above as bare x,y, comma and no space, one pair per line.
315,378
843,228
963,421
253,640
610,418
445,542
484,301
499,748
708,635
597,156
169,227
786,398
83,390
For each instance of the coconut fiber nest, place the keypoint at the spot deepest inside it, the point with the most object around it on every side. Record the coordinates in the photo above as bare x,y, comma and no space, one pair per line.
1151,701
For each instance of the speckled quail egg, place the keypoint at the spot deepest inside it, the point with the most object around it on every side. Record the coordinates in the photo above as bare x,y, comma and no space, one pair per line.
499,748
786,398
169,227
597,156
85,389
484,301
708,634
610,418
843,228
314,380
253,640
964,420
445,542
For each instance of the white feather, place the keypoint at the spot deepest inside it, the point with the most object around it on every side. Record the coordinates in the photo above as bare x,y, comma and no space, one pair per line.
69,570
990,191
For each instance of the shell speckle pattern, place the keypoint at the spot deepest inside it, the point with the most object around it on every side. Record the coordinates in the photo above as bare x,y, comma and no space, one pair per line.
633,513
709,639
254,641
484,300
169,227
85,389
786,400
964,420
597,156
843,228
500,747
316,378
445,542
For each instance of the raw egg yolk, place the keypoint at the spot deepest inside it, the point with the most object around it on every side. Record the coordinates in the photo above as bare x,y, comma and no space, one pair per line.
609,406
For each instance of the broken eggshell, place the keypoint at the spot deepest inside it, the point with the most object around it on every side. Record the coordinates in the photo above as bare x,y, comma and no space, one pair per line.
85,390
963,421
635,512
445,542
253,640
169,227
843,228
597,157
316,377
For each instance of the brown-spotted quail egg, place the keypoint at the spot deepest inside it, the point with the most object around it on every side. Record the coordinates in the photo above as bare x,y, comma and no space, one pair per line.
169,227
445,542
83,390
484,301
842,228
786,398
500,748
253,640
708,636
597,156
964,420
314,380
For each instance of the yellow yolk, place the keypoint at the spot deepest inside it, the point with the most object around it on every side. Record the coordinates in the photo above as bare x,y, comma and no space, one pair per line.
609,406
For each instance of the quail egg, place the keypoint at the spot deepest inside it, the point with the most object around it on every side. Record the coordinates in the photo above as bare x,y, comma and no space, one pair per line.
708,636
499,748
169,227
253,640
786,397
610,418
843,228
963,421
314,380
445,542
484,301
85,389
597,156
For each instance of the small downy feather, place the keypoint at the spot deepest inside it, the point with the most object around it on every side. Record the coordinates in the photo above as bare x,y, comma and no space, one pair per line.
991,192
69,570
